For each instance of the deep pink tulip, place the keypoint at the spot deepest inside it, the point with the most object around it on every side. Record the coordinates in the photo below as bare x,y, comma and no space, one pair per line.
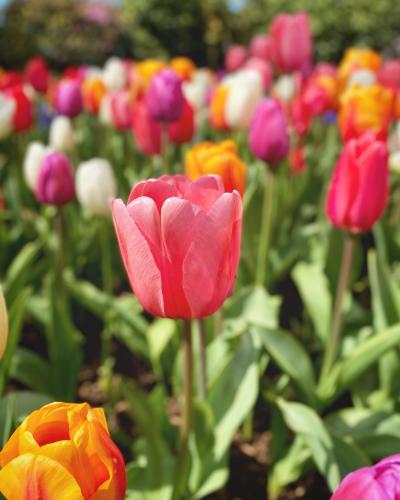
261,46
37,74
292,41
235,57
180,244
263,67
268,135
182,130
359,188
379,482
389,74
121,109
146,131
68,99
164,97
55,184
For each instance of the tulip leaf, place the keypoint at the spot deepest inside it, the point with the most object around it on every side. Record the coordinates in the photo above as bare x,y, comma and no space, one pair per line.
30,369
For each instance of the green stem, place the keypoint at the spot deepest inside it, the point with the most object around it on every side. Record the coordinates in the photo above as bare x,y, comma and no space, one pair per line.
164,147
186,422
106,273
333,341
266,227
202,361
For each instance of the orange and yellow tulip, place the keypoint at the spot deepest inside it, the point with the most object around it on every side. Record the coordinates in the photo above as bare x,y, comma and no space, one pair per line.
62,451
217,108
217,158
355,59
183,67
145,70
93,90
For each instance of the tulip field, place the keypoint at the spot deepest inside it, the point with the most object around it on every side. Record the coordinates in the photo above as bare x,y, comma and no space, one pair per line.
200,276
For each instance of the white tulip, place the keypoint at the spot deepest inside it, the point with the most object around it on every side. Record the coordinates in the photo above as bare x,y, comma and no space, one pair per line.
95,185
7,108
61,134
105,115
285,88
196,90
3,324
363,77
34,155
394,162
114,74
245,91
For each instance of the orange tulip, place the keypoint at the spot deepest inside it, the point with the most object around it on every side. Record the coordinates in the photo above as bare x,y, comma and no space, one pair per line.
183,67
217,108
365,108
217,158
355,59
62,451
93,90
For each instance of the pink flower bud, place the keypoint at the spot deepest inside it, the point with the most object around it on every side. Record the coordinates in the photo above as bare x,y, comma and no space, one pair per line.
55,183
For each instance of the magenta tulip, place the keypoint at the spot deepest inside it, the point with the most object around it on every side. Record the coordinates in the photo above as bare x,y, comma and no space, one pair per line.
359,188
379,482
55,184
180,244
68,99
235,57
292,42
164,97
261,46
268,136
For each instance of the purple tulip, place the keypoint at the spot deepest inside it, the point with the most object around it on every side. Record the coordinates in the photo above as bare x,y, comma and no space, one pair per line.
379,482
165,97
268,136
55,184
68,99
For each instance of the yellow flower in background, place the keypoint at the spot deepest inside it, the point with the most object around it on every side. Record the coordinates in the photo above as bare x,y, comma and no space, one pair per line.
356,59
3,324
217,158
93,91
146,69
183,66
217,108
62,451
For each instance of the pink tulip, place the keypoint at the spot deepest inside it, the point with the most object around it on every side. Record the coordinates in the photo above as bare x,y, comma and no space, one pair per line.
268,136
389,74
180,244
292,42
236,56
359,188
379,482
261,46
146,131
263,67
121,109
55,184
68,99
164,97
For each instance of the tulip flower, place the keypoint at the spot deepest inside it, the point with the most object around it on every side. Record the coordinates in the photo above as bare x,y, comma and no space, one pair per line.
297,161
355,59
358,191
262,47
114,74
10,79
365,108
217,107
362,77
3,324
164,97
37,74
7,109
320,94
174,234
145,70
93,91
268,136
389,74
300,115
34,155
68,98
263,67
379,482
120,103
235,57
292,41
95,186
146,131
217,158
63,451
285,88
182,130
55,182
196,91
183,67
23,112
61,134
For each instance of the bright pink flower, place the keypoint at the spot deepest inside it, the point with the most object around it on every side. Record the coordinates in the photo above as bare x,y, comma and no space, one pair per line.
182,130
164,97
235,57
268,135
300,115
23,112
68,99
55,183
359,188
146,131
37,74
379,482
263,67
292,41
389,74
121,109
180,244
262,47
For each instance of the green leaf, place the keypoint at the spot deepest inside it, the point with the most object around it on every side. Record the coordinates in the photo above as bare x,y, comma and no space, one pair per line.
159,335
31,370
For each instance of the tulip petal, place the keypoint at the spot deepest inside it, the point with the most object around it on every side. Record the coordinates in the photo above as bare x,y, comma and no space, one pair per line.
360,484
205,191
156,189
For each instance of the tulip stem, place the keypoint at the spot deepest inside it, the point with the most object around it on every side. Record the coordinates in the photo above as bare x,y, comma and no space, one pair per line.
186,419
164,147
333,341
266,227
107,284
202,361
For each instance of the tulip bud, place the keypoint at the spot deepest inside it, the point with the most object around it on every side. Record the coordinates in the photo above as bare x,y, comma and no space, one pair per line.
235,57
114,74
268,136
93,91
182,130
285,88
34,155
164,97
358,191
105,116
389,74
363,77
55,182
147,132
263,67
7,109
37,74
23,112
68,99
183,67
95,186
120,103
196,91
3,324
394,162
61,134
262,47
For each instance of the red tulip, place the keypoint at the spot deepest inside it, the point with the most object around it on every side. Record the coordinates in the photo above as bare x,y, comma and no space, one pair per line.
23,112
300,115
359,188
37,74
182,130
10,79
180,244
292,41
297,159
146,130
389,74
121,109
235,57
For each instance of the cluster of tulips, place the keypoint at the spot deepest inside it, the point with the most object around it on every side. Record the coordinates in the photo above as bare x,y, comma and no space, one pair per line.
91,133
